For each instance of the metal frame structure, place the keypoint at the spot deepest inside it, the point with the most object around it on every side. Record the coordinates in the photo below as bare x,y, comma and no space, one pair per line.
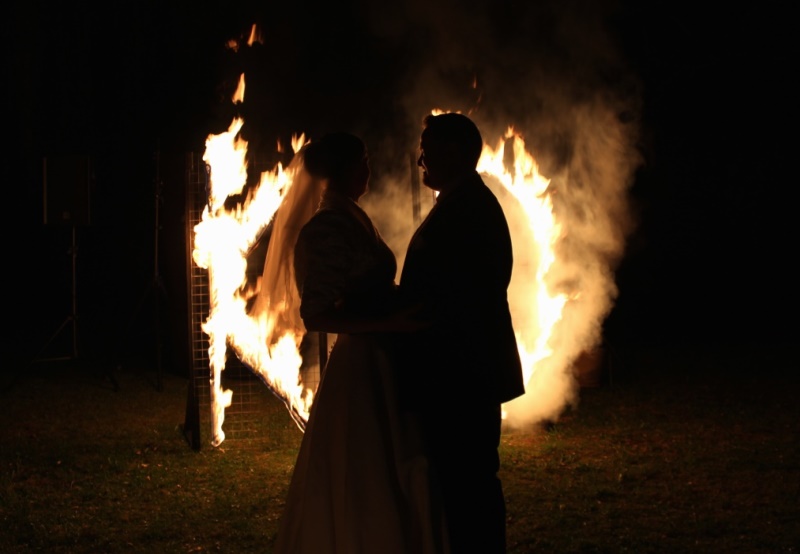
244,417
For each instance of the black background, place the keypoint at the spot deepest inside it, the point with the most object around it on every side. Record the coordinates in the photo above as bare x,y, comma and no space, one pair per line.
136,86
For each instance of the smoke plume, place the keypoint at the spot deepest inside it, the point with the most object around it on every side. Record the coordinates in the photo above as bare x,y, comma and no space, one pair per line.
554,72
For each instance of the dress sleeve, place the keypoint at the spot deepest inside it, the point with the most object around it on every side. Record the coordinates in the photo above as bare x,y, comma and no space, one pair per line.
323,257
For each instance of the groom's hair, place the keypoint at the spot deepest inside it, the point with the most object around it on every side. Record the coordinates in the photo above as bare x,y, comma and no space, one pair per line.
458,130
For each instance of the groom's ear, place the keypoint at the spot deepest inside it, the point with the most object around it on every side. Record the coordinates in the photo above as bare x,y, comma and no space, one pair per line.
456,157
441,150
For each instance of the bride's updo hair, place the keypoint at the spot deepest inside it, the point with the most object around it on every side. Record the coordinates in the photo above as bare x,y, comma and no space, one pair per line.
334,157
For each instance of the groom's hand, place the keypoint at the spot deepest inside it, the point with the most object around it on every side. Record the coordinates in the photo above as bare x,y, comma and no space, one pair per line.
410,319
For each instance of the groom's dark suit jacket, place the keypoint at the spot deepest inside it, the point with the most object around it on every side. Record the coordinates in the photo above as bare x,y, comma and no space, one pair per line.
459,264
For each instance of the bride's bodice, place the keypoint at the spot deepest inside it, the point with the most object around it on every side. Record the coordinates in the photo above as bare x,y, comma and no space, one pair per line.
341,260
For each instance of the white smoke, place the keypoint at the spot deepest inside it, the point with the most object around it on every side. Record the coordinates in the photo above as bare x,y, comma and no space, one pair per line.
554,73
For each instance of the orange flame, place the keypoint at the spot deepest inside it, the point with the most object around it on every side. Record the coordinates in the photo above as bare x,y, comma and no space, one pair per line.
535,310
238,96
222,239
255,36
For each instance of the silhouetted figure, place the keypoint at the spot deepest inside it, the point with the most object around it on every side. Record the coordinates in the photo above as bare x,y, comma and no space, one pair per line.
460,370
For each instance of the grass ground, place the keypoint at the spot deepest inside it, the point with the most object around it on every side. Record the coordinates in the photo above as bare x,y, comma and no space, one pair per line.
676,452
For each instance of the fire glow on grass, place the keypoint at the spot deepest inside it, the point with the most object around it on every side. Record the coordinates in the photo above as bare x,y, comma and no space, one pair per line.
270,347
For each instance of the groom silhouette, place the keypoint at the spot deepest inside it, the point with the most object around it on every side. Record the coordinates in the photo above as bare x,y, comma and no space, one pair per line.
466,364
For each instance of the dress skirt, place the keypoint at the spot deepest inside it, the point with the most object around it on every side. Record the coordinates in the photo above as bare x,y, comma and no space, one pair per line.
361,484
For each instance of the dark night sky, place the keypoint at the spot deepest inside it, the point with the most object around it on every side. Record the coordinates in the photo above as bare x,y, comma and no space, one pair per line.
709,260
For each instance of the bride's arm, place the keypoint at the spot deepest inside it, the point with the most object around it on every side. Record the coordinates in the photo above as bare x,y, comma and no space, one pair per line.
323,258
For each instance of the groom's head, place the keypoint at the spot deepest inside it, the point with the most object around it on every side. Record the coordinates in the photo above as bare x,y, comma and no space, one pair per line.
450,147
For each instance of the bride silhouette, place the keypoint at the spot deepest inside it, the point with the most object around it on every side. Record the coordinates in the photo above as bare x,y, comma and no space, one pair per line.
361,482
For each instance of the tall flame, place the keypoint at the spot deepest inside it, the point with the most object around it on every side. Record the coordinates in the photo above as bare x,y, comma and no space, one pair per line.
223,238
536,310
530,189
